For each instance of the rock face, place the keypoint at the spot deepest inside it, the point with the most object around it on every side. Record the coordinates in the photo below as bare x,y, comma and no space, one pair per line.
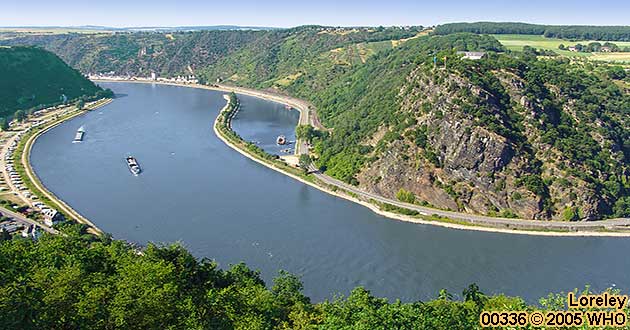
450,157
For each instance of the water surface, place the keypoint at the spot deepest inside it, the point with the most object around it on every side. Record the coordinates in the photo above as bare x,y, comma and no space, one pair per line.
219,204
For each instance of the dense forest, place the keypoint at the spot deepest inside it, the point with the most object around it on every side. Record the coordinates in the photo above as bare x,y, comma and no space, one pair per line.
83,282
511,134
579,32
33,78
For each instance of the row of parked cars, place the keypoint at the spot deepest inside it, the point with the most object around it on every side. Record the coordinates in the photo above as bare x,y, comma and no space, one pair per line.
50,215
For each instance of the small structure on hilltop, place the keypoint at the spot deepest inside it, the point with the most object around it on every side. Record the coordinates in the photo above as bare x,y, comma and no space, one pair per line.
605,49
472,55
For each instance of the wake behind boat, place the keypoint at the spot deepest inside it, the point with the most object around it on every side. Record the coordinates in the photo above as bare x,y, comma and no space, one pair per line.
79,136
133,165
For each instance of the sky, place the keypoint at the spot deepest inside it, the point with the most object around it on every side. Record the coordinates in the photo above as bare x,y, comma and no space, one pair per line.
289,13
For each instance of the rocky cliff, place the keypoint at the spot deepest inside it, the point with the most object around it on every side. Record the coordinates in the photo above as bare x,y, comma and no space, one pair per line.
498,160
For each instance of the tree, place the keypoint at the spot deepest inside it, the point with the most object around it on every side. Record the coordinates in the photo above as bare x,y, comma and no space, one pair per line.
305,132
616,72
4,235
472,293
20,115
445,295
405,196
304,162
4,124
80,104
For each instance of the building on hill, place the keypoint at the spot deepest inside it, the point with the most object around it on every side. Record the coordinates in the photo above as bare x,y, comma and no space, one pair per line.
472,55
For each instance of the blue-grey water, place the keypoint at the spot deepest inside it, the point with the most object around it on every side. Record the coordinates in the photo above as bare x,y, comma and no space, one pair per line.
219,204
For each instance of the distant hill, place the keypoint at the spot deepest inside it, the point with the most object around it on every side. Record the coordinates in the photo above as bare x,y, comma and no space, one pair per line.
34,77
97,28
581,32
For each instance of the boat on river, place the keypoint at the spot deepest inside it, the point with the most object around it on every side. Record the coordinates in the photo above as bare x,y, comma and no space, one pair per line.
79,136
281,140
133,165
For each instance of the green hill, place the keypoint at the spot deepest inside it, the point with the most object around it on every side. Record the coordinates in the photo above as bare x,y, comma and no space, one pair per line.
33,77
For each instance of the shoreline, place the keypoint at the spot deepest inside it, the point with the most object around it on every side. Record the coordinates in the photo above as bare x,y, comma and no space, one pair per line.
25,159
444,222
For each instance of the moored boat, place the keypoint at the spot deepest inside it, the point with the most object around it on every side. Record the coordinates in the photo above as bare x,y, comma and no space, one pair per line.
281,140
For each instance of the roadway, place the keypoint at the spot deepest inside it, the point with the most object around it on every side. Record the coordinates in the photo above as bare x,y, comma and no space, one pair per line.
617,223
18,217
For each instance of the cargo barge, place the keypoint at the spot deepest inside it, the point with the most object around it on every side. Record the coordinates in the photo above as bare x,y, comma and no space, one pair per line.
79,136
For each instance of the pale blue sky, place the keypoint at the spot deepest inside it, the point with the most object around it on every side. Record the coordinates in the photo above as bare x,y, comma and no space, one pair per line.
125,13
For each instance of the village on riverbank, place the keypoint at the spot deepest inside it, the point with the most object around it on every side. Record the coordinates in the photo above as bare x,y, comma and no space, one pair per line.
26,207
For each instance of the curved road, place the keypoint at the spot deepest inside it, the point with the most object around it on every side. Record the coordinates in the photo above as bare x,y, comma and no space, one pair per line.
611,224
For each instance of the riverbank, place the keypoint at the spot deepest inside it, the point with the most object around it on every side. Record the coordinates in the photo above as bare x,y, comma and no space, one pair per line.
421,215
32,180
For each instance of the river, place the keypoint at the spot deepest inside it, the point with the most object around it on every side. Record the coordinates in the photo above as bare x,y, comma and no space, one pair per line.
197,191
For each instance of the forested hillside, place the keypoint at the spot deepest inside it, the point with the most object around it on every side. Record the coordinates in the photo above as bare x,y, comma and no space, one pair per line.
82,282
177,53
580,32
510,135
33,77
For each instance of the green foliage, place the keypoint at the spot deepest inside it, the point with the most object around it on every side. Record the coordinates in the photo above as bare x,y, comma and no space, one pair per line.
571,214
305,132
581,32
304,162
33,78
405,196
20,115
83,282
397,209
533,183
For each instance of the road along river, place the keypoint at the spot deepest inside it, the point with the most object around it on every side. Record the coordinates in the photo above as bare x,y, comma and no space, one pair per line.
219,204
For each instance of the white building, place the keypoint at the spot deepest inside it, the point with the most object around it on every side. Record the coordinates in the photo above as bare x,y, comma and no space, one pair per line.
472,55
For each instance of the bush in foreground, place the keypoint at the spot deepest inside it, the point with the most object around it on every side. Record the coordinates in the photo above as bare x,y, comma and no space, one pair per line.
80,282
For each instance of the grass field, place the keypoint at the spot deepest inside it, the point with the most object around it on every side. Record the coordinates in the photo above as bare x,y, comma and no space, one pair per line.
517,41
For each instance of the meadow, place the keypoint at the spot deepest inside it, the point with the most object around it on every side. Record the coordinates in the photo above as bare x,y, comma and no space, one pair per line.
517,41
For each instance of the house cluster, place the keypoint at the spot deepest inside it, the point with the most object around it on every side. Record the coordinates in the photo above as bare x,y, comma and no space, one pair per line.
184,79
31,231
603,49
8,225
472,55
189,79
50,215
